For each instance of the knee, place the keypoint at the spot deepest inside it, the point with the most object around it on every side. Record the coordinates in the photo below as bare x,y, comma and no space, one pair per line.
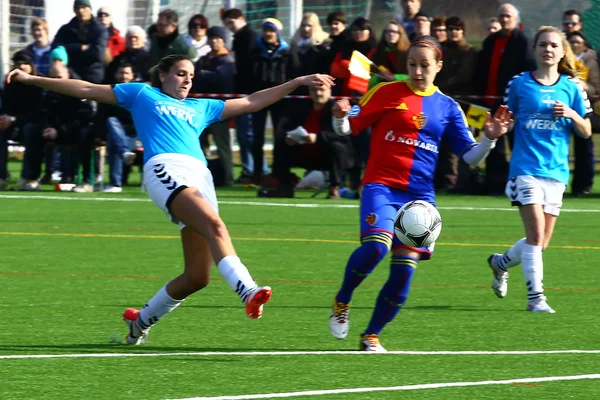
217,226
377,245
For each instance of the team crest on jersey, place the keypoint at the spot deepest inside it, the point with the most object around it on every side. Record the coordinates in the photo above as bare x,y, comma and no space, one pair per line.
420,120
354,111
371,219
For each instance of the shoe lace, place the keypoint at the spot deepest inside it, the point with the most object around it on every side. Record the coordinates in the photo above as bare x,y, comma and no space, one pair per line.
372,339
341,311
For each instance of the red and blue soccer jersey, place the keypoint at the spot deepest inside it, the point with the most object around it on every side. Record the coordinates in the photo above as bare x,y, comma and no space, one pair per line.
407,128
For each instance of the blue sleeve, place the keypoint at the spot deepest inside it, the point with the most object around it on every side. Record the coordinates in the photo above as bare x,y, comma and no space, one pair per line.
457,131
127,93
510,94
212,109
581,102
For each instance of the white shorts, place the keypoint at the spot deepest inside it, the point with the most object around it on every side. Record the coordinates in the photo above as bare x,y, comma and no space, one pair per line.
523,190
166,175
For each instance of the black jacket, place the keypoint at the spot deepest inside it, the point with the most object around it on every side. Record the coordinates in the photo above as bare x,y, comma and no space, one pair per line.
22,102
517,58
68,115
268,64
139,59
88,64
214,74
244,41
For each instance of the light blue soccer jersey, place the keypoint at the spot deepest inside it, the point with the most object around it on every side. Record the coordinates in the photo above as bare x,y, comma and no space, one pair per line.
164,124
541,146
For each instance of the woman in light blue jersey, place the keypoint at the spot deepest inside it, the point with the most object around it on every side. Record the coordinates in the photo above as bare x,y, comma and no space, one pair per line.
548,103
176,176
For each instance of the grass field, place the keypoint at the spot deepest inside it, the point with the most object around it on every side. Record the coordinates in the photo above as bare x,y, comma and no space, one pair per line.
72,263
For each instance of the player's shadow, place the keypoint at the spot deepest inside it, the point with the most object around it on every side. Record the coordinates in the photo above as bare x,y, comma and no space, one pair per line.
240,307
99,348
456,308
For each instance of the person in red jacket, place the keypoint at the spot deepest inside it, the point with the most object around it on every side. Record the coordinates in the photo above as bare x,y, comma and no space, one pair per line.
116,42
363,40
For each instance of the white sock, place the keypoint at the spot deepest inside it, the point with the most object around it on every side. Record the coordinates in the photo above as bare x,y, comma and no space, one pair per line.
158,306
236,275
512,257
533,270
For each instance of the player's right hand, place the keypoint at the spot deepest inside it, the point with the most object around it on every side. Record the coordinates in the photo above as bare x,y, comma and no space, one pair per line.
341,108
16,75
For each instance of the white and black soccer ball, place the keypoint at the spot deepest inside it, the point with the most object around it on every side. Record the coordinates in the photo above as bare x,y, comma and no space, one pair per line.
418,223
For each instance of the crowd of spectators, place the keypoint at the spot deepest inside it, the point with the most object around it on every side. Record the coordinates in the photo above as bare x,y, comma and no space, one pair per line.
61,134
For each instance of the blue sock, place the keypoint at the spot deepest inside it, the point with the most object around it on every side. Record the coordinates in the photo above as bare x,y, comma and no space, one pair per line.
362,262
393,294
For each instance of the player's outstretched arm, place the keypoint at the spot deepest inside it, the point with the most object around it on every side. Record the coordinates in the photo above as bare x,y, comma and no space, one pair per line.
494,127
264,98
69,87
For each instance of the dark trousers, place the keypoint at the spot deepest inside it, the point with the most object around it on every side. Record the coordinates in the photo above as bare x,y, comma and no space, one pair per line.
496,165
259,121
4,136
583,175
220,134
332,157
80,141
446,171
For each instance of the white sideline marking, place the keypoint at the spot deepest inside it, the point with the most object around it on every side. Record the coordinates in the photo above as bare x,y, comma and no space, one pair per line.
299,353
260,204
399,388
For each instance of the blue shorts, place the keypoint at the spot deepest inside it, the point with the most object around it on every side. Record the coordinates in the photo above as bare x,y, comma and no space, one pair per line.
378,207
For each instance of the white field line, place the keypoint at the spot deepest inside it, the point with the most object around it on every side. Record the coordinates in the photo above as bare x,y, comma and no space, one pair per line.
400,388
298,353
259,203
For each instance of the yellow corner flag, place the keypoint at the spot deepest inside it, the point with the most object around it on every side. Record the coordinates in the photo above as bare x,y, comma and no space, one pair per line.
476,116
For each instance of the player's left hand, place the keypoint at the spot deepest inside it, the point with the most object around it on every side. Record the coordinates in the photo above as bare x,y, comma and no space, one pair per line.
317,80
561,110
499,124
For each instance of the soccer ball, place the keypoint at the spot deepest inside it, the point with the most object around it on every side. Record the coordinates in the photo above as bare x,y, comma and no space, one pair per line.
418,223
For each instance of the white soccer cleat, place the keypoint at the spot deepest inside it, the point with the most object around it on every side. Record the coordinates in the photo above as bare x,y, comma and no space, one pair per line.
540,305
500,282
136,335
371,344
113,189
339,324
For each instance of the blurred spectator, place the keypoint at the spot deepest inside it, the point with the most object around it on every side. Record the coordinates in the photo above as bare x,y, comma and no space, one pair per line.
589,76
410,9
244,40
362,40
116,125
453,173
19,105
40,49
309,50
214,74
421,26
339,35
584,53
336,21
85,40
64,121
135,54
391,55
167,40
196,36
493,25
305,138
268,62
116,42
572,21
503,55
438,29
